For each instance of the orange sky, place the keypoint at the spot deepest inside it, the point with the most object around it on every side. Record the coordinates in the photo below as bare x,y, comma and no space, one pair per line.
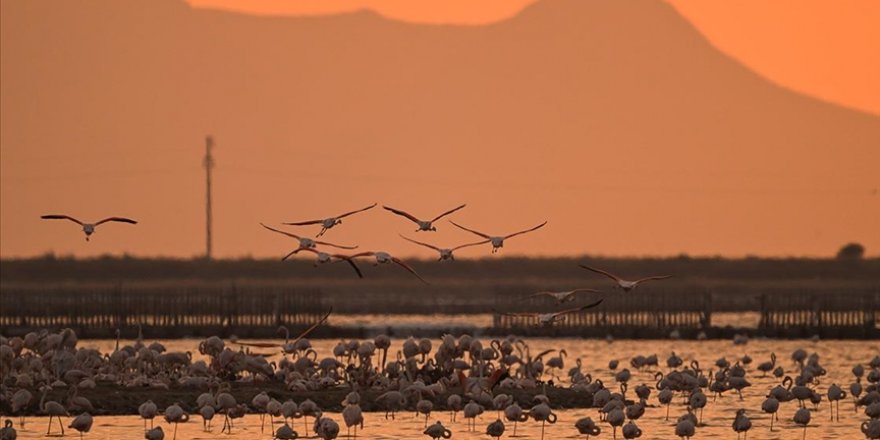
825,49
631,138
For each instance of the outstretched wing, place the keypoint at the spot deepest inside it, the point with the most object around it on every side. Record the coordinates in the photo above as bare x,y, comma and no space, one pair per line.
654,278
486,236
350,263
313,326
447,213
116,219
281,232
296,251
60,217
602,272
402,213
402,264
420,243
339,246
308,222
579,309
527,230
470,244
357,211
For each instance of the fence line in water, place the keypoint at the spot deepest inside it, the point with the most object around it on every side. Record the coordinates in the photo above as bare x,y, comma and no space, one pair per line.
258,310
173,311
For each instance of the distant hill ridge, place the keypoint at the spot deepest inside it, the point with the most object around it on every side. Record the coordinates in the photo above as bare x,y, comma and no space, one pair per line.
585,100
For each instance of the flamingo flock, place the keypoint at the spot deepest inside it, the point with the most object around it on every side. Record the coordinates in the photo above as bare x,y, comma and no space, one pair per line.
466,375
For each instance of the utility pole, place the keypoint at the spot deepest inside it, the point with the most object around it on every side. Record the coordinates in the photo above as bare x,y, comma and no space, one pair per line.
208,163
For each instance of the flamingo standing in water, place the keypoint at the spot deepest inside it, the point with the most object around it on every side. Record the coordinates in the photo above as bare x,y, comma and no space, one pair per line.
626,285
741,423
8,431
386,258
82,423
148,410
424,225
175,414
445,253
308,243
20,400
53,409
437,431
497,240
802,417
324,257
88,228
548,319
330,222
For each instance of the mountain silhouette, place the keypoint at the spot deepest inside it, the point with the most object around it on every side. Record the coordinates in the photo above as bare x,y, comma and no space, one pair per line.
591,101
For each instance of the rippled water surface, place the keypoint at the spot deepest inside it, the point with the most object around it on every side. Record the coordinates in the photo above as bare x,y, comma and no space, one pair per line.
837,357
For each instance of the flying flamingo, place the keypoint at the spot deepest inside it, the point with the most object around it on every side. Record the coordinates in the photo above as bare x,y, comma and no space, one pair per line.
548,319
625,284
330,222
445,253
497,240
307,243
386,258
324,257
564,296
424,225
88,228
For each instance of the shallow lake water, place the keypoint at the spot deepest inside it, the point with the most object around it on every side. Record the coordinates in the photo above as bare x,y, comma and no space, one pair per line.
837,357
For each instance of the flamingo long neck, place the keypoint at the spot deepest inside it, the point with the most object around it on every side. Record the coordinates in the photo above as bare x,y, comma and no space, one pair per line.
42,405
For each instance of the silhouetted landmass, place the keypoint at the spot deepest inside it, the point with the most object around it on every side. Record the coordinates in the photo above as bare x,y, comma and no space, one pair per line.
252,297
550,271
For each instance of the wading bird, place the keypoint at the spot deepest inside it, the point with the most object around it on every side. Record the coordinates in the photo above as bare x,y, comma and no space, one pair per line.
445,253
742,424
438,431
497,240
587,427
802,417
82,423
148,410
386,258
88,228
53,409
308,243
8,431
424,225
625,284
330,222
324,257
155,434
548,319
